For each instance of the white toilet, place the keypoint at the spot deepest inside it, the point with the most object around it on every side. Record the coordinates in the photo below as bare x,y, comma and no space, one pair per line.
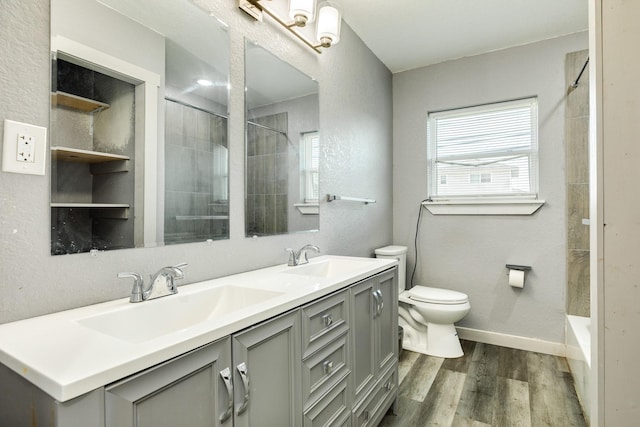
427,314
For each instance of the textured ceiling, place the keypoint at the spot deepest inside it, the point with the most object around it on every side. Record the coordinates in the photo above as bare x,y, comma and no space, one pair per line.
408,34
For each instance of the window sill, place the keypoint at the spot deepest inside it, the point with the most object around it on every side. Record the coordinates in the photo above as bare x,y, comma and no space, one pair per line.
308,208
483,207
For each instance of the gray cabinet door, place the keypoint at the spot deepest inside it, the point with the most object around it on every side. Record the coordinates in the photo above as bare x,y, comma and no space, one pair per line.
374,314
267,373
186,391
386,320
363,335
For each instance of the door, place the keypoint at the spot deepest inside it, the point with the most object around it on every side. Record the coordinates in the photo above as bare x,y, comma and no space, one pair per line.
267,373
374,312
363,336
386,320
191,390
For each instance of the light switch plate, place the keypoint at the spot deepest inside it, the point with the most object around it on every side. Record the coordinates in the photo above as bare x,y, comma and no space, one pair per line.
19,137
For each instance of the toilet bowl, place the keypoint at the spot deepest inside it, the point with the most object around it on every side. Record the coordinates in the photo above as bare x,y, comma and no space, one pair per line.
427,314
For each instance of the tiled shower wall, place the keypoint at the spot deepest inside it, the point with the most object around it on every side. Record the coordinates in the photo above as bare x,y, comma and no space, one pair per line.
267,175
577,172
196,197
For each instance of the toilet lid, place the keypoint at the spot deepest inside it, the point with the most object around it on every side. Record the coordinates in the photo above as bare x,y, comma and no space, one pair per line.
437,295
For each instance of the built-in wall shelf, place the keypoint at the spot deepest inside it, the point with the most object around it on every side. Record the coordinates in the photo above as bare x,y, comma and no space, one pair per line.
77,102
98,210
67,154
90,205
85,169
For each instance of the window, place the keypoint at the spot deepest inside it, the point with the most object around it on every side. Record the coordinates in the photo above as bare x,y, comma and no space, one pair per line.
310,155
478,178
484,151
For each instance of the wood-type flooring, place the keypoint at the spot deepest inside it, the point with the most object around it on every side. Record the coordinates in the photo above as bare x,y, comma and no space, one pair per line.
489,386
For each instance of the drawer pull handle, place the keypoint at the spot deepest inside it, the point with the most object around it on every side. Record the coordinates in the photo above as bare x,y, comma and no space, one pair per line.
388,385
244,375
327,366
225,374
327,320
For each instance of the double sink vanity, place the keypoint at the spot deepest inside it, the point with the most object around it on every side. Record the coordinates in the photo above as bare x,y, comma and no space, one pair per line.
308,345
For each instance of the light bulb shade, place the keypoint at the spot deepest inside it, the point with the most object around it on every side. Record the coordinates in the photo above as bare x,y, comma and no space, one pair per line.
302,11
328,27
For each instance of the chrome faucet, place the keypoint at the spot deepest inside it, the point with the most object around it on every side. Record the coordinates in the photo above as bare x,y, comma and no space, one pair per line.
165,276
300,257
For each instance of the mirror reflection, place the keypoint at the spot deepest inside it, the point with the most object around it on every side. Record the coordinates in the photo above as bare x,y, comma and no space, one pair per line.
282,146
122,101
196,149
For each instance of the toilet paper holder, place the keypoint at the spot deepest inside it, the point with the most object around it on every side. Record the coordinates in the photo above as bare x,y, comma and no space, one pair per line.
518,267
517,274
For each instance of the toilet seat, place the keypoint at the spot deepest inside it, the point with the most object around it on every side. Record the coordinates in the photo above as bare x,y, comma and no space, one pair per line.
436,295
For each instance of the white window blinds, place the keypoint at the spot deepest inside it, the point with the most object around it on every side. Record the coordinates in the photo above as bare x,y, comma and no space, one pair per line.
484,151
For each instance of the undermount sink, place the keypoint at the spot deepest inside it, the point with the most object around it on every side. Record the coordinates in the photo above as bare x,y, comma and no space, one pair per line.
329,268
151,319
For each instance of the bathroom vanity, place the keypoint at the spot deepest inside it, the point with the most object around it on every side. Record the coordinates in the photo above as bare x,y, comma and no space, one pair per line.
282,346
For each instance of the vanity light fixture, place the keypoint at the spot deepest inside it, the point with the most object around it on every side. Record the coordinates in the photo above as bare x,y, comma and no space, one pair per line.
302,12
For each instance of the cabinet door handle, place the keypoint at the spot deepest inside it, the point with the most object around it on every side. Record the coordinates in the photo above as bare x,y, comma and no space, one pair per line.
327,320
327,366
381,307
376,297
225,374
244,375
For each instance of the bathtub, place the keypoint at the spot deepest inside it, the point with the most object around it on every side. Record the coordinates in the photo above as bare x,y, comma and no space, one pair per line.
578,333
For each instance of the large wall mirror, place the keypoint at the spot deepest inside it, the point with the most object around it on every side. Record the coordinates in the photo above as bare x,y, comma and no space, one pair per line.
282,146
139,97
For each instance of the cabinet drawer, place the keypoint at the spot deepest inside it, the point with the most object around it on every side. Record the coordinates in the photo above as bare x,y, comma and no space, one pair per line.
323,321
372,408
332,409
323,369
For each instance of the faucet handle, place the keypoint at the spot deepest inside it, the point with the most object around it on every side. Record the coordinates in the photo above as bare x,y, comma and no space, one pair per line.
138,284
179,274
292,257
171,274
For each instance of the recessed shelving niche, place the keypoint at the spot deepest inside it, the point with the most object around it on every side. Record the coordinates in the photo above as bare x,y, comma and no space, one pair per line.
92,152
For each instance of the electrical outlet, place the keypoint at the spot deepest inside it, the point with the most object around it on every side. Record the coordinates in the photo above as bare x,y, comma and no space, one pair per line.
24,148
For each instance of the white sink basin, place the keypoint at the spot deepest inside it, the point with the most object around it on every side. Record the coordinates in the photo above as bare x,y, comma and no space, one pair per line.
151,319
330,268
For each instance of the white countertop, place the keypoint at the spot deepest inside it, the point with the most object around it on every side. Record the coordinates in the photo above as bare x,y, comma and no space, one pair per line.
67,359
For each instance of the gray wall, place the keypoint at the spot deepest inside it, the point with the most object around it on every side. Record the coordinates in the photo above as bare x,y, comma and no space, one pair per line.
469,253
355,111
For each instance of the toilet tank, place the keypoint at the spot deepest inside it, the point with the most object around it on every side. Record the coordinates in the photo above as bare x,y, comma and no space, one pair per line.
399,253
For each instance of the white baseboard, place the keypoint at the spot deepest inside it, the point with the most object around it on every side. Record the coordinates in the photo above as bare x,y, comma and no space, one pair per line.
512,341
